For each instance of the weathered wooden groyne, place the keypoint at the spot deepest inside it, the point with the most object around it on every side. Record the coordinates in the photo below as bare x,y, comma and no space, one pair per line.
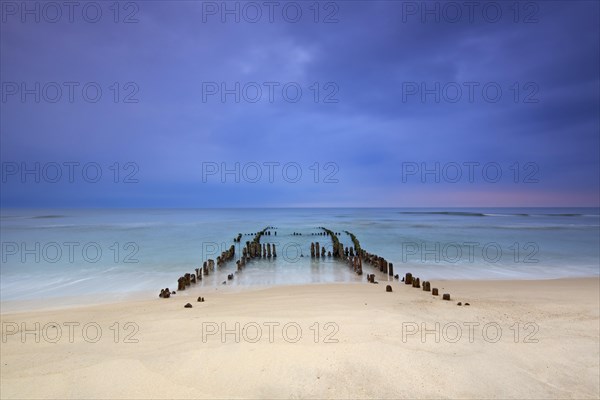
252,249
352,255
337,248
338,251
386,267
354,241
378,262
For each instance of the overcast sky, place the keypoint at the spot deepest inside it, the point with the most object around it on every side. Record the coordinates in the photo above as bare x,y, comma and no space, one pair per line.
361,98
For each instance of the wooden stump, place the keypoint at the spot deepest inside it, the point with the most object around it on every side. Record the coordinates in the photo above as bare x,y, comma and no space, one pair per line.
434,291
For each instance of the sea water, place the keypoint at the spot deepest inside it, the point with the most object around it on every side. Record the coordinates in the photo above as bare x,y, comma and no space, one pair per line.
109,253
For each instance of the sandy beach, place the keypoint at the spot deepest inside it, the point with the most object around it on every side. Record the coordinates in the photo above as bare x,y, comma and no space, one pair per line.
516,339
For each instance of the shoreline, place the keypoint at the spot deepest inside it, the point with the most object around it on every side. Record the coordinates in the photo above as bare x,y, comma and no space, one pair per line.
75,302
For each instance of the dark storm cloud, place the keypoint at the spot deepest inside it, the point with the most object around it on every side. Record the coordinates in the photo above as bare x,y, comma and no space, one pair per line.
369,59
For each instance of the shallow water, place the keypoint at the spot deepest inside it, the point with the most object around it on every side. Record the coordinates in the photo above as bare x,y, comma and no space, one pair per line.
62,253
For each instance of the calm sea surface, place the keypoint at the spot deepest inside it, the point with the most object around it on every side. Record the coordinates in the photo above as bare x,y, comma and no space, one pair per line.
107,252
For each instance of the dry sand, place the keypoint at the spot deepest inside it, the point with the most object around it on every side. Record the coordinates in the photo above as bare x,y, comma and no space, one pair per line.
519,339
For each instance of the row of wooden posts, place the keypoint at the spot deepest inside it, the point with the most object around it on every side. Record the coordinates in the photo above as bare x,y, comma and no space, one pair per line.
355,260
251,250
255,250
338,251
379,263
238,238
388,268
416,283
353,255
354,241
